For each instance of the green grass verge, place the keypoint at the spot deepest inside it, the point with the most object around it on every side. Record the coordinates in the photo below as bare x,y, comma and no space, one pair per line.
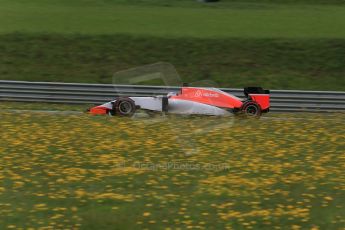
184,3
272,63
24,106
244,21
79,171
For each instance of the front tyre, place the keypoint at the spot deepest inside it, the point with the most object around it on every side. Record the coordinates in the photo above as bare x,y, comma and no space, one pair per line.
124,106
251,109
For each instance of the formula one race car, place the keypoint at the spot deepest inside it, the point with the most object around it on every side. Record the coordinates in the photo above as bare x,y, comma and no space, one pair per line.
192,100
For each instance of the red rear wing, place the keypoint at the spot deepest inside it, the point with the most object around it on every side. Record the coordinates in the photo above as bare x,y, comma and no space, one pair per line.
259,95
262,99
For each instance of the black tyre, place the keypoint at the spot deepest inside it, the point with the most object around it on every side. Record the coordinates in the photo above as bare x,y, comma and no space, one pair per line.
251,108
124,107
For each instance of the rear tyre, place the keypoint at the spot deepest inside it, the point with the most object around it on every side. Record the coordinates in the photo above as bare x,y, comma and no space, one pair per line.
251,109
124,106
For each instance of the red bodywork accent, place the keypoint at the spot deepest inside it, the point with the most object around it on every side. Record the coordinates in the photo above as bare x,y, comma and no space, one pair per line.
262,99
98,110
209,96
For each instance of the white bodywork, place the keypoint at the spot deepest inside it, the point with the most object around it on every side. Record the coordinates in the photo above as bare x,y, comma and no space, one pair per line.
178,106
175,106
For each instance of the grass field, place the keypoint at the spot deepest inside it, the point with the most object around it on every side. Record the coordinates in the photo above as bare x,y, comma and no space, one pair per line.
267,21
297,45
63,169
78,171
270,63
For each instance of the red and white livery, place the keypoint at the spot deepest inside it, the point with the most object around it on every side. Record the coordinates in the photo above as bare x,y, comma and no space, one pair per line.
193,101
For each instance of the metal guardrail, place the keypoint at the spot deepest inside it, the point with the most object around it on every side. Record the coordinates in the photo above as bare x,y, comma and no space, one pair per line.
52,92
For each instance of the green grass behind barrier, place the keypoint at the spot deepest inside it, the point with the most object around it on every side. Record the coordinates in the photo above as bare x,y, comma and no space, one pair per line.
243,21
316,64
299,45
